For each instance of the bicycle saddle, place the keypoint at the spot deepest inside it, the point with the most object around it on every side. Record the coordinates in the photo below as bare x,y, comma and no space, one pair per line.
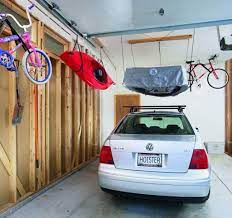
189,62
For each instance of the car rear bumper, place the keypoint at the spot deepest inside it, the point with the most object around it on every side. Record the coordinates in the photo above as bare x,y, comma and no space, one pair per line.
194,183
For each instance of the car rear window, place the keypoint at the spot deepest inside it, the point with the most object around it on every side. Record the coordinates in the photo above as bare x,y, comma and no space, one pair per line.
155,124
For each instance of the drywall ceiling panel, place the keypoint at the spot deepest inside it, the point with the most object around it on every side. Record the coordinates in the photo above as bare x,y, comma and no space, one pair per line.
94,16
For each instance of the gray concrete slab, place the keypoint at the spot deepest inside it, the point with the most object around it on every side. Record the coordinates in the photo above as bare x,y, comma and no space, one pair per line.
80,196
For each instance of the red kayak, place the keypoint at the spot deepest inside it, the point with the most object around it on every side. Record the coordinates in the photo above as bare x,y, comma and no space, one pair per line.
88,69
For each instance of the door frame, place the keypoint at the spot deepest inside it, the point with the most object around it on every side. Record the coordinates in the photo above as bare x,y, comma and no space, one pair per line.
129,95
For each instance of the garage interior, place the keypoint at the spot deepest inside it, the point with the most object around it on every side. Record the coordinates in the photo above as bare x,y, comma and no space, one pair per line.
48,162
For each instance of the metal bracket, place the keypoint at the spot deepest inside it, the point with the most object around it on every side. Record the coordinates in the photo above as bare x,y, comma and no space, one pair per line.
135,108
54,6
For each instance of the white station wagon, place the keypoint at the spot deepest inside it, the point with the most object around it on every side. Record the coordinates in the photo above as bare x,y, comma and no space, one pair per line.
155,153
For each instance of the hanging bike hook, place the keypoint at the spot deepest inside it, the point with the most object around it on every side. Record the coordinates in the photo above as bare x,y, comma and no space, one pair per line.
160,54
75,44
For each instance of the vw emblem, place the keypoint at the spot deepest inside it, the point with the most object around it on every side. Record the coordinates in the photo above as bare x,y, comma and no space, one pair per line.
149,147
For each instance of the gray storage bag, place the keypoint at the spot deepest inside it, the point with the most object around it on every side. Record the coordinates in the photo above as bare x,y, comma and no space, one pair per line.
157,81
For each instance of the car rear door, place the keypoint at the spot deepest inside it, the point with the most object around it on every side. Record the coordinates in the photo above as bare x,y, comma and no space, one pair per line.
175,151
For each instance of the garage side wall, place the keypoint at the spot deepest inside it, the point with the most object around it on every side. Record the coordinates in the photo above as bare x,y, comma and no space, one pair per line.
60,127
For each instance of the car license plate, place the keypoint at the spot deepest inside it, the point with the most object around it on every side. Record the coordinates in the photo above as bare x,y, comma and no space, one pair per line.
149,160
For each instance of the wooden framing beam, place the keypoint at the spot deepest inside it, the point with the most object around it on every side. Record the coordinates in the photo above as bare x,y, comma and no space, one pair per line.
12,136
43,137
8,166
5,160
87,108
32,175
76,120
159,39
95,122
39,139
58,118
20,187
68,118
98,121
228,110
83,121
47,142
43,116
37,34
41,121
47,123
75,160
88,121
92,123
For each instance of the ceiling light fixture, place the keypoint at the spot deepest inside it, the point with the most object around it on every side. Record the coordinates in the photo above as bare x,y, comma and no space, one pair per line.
161,12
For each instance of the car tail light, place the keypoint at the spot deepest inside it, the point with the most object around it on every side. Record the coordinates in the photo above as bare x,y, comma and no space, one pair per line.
106,155
199,159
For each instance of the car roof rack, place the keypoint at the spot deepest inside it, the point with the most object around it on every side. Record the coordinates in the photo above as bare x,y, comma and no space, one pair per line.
134,108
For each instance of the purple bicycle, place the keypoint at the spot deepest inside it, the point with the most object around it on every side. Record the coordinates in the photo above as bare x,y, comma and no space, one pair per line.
36,64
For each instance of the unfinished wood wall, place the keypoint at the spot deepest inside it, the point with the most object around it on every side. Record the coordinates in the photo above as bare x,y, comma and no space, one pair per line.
59,131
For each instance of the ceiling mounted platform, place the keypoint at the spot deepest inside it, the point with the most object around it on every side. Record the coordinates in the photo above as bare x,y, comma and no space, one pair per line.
159,39
123,17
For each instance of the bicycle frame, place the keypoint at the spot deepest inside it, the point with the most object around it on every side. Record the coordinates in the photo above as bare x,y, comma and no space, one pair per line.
26,39
33,57
209,70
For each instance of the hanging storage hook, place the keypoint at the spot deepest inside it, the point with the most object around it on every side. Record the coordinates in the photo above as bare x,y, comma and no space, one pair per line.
75,44
187,51
101,59
194,31
132,53
123,59
160,53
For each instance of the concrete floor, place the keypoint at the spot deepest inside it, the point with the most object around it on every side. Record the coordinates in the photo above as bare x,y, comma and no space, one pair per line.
80,196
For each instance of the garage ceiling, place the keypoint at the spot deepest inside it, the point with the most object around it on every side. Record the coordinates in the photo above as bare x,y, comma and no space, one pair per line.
110,17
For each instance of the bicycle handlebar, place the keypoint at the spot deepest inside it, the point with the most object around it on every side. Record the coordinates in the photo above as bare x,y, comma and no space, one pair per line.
210,59
29,8
213,57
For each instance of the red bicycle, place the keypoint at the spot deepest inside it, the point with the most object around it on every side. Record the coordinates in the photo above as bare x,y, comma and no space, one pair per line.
217,78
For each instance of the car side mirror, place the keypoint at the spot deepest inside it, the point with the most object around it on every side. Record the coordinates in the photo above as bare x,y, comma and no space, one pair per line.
197,129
